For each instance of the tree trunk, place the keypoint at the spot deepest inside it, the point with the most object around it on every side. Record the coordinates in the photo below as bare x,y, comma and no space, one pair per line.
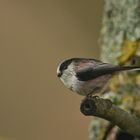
119,42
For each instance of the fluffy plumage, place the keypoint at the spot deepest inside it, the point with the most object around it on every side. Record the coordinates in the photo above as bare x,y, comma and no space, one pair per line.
87,76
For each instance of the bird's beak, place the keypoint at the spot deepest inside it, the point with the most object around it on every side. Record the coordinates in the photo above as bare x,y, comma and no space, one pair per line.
59,74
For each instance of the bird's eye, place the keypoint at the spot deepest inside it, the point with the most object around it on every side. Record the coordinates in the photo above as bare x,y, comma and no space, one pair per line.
65,67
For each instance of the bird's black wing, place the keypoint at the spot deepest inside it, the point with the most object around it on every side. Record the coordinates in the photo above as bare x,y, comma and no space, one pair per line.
91,72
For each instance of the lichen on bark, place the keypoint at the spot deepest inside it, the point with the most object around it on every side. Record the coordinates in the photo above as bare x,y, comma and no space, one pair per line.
121,22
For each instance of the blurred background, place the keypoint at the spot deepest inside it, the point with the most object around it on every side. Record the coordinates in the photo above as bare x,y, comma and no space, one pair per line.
35,37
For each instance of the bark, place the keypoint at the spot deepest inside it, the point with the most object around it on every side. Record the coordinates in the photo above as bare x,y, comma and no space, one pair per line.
104,108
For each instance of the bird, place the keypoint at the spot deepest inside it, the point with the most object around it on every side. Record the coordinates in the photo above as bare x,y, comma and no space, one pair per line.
87,76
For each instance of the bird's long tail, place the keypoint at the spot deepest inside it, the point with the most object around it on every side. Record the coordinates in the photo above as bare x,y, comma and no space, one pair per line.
124,68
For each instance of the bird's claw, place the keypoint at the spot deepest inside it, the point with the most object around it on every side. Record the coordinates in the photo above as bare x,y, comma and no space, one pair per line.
90,96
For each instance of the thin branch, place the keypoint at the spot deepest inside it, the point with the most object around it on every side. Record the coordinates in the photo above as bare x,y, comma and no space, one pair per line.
104,108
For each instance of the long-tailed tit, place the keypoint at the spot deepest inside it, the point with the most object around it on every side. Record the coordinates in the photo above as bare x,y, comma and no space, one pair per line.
88,76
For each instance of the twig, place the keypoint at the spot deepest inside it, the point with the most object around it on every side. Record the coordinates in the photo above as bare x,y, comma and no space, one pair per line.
104,108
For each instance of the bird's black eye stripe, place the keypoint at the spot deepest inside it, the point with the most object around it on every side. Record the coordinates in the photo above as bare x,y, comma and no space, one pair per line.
65,64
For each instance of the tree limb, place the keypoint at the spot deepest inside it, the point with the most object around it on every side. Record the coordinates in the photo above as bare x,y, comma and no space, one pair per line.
103,108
